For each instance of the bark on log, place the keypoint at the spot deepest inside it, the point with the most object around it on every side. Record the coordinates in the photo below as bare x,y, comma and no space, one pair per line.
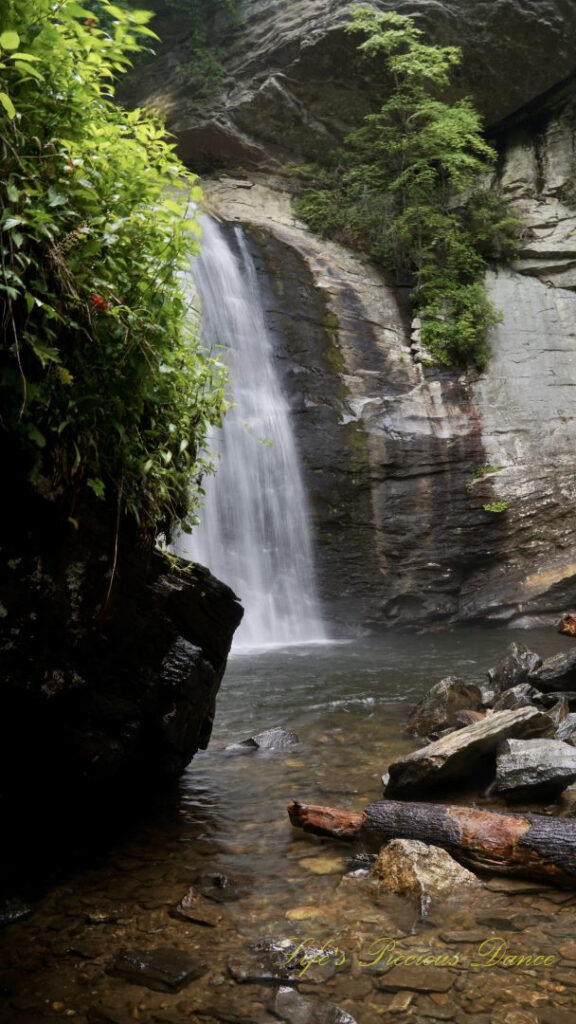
522,845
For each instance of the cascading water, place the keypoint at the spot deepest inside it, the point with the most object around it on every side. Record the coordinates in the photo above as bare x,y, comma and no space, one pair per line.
254,532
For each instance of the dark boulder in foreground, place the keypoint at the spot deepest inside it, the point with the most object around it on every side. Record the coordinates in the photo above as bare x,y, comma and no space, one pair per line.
456,757
527,769
110,665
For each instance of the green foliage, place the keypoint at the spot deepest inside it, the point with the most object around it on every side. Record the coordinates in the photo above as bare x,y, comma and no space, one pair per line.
496,506
409,187
103,386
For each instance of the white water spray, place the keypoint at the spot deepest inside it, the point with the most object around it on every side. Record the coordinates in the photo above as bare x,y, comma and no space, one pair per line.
254,532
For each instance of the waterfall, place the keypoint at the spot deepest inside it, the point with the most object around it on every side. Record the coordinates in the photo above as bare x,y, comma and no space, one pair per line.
254,532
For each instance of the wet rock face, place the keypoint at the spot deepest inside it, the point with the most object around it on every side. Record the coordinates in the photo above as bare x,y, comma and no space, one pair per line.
294,81
101,690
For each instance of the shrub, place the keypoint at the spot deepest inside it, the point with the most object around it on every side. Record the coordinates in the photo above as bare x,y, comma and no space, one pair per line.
409,187
103,385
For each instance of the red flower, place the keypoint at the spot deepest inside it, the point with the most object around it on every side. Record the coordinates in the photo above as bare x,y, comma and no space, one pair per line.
98,304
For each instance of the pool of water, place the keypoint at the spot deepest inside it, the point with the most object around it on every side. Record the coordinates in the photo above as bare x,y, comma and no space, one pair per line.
226,832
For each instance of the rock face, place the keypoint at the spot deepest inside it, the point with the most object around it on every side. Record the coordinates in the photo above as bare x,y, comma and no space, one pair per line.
534,768
105,688
437,496
400,461
284,93
409,867
460,755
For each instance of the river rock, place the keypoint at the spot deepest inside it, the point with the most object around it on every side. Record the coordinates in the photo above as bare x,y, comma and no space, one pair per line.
409,867
556,673
197,908
567,624
521,696
514,667
438,707
534,768
294,1008
566,731
453,757
163,970
559,711
271,739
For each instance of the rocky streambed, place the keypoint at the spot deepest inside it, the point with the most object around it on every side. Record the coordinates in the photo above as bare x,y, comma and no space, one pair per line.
214,909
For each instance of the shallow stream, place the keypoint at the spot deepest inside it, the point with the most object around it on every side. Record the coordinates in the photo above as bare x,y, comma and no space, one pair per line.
226,832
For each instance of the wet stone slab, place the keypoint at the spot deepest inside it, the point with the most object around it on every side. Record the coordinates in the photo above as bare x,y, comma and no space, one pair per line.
163,970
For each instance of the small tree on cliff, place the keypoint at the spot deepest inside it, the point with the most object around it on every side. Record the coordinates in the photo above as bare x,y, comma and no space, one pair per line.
410,188
103,386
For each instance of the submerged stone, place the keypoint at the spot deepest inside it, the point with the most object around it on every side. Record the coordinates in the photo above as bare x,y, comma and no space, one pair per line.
294,1008
270,739
195,907
163,970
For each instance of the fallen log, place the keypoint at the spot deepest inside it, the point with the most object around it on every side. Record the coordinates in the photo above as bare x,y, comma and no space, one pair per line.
523,845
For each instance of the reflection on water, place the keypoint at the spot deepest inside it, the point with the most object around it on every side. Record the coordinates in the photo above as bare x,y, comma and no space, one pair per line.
228,834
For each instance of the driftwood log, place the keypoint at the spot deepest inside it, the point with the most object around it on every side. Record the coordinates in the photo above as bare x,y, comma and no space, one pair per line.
523,845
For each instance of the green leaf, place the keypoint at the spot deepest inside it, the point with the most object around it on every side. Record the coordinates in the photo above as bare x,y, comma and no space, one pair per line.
28,69
97,486
11,222
34,435
9,107
9,40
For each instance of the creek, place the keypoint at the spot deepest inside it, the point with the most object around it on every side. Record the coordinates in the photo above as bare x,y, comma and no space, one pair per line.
224,829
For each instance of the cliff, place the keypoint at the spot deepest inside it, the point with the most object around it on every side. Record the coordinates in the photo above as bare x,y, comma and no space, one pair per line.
294,81
438,496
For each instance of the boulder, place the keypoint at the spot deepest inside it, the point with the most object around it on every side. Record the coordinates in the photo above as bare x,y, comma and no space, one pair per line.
411,868
566,731
556,673
514,667
453,758
540,768
521,696
438,708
